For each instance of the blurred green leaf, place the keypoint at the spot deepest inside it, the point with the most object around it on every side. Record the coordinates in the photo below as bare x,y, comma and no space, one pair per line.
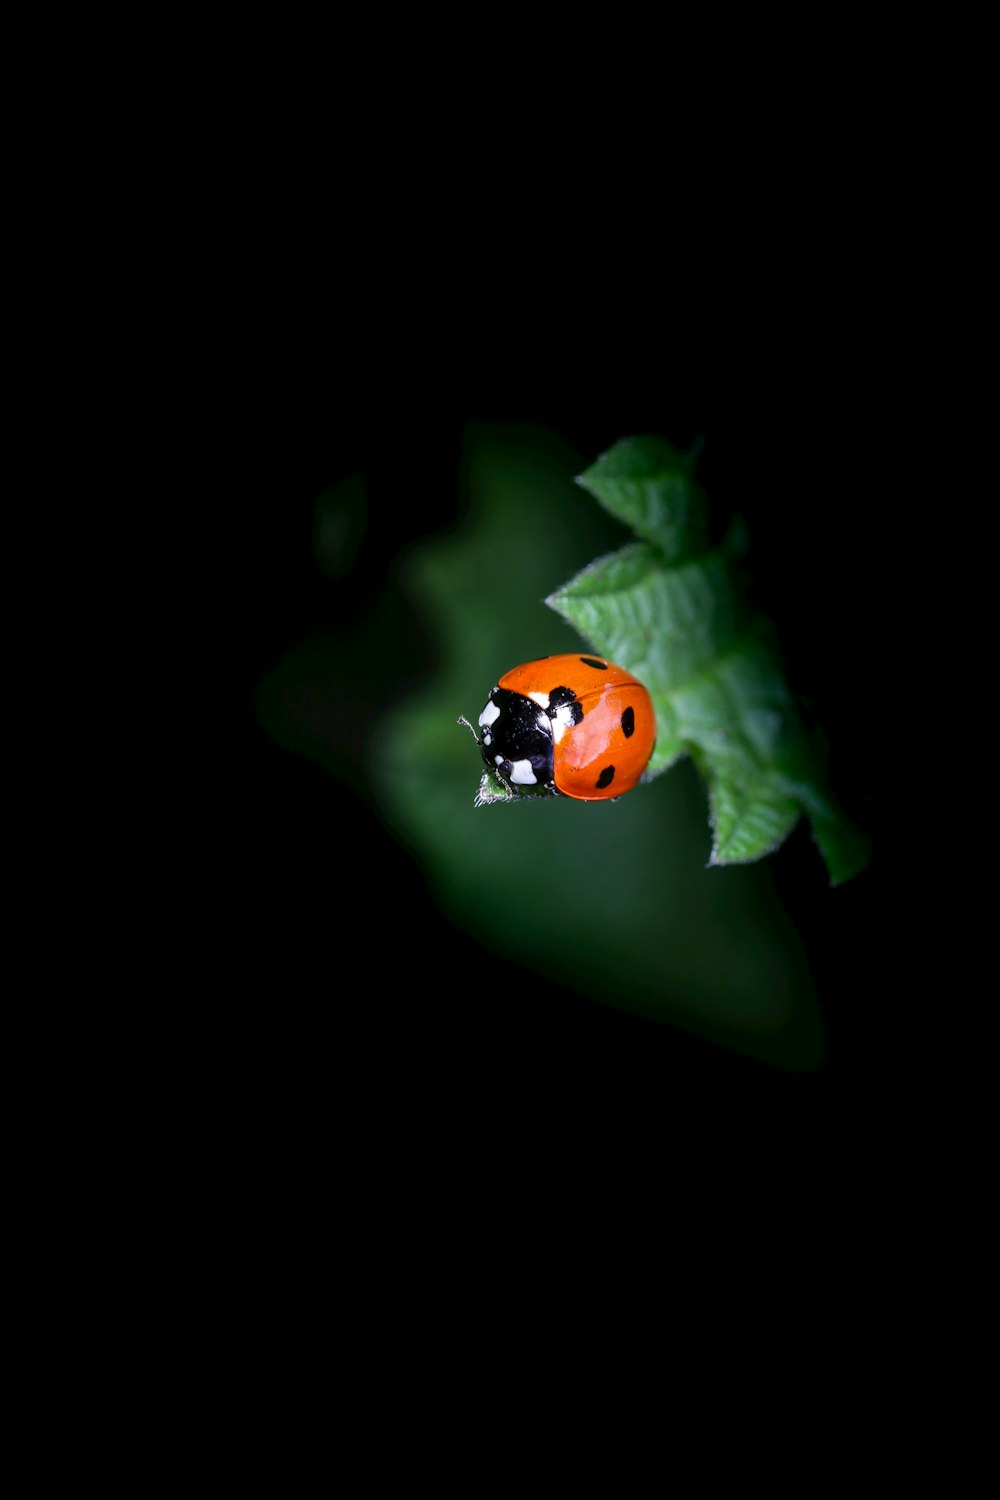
671,608
614,899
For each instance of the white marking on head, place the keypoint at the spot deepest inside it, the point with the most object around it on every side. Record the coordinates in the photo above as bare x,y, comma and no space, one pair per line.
521,773
489,715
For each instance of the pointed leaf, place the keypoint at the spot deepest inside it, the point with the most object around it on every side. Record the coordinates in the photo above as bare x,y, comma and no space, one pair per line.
673,611
648,484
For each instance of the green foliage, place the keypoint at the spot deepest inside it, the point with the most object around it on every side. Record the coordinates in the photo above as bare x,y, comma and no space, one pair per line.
671,608
614,899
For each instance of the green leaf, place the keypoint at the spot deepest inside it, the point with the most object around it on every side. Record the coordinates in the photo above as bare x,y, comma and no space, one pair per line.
649,485
616,899
672,609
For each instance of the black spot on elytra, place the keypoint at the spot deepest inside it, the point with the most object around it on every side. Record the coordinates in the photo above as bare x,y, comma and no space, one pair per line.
591,661
606,777
628,723
564,697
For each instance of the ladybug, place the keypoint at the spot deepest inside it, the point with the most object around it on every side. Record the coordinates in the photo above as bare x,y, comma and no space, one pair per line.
578,725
